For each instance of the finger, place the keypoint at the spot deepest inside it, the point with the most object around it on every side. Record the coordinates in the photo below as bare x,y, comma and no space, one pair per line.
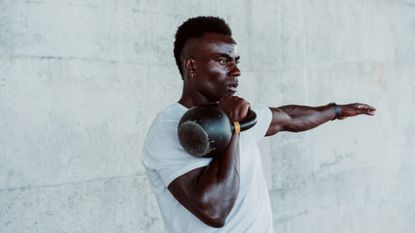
365,109
362,106
370,112
244,110
365,106
235,103
239,109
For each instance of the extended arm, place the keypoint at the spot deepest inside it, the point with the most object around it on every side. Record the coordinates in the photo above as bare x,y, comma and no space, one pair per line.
297,118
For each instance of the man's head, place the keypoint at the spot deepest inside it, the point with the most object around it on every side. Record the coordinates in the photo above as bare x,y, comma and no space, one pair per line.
207,57
195,28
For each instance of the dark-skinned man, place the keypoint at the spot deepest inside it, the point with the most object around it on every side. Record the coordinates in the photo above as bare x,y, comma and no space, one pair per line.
226,193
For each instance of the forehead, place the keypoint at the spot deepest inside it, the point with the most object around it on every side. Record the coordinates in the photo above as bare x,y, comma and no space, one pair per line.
212,43
216,38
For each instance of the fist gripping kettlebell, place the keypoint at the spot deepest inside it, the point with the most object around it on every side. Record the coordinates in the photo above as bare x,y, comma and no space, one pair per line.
205,130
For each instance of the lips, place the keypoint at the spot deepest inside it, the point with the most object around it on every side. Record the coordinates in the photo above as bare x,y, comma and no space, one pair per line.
233,86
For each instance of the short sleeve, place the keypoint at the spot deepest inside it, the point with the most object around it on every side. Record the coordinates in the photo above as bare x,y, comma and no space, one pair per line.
164,154
264,117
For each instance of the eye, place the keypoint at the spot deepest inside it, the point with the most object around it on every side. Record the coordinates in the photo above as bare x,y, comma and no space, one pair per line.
223,61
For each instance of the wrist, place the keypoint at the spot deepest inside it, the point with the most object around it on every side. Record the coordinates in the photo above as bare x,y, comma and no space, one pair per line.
237,127
337,110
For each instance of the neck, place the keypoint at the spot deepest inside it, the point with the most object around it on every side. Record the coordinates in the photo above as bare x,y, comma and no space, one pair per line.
192,98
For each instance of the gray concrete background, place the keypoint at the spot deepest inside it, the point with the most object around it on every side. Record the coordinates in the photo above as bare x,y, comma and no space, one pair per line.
81,81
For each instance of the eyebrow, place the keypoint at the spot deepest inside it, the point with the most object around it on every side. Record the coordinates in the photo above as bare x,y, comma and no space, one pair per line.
227,56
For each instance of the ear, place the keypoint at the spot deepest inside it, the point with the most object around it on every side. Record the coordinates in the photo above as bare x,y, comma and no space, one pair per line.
190,66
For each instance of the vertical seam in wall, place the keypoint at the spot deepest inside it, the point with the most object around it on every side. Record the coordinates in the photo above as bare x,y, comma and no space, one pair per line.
304,38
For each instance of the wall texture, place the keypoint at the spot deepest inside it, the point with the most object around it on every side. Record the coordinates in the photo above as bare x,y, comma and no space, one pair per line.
81,81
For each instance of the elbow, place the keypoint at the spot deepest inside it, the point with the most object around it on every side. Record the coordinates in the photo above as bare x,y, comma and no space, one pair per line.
214,221
214,212
218,224
214,215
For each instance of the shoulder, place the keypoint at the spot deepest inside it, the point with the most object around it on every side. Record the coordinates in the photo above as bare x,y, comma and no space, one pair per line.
167,120
263,113
264,117
162,151
163,130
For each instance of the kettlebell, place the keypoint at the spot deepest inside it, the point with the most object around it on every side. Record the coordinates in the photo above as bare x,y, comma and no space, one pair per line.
205,130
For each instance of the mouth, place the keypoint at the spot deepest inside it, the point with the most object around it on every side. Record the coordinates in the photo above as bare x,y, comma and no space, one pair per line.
233,87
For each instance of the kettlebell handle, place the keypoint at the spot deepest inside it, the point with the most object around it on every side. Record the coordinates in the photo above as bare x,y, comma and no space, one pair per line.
247,123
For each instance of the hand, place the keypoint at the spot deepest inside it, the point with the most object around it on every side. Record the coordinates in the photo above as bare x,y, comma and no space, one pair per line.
235,107
349,110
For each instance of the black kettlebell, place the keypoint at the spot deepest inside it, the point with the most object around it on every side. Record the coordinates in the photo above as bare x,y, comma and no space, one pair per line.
205,130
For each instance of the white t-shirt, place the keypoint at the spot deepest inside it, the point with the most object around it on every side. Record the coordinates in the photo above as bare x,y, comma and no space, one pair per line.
164,160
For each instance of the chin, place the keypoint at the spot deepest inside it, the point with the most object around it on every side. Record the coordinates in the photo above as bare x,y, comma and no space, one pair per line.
225,94
230,94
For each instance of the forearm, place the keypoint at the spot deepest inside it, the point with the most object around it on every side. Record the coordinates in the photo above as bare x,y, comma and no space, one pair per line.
301,118
218,184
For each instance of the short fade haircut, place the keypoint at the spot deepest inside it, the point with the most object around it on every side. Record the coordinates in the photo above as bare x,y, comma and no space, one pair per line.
196,28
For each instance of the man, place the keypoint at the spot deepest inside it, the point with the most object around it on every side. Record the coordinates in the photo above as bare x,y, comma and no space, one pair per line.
226,193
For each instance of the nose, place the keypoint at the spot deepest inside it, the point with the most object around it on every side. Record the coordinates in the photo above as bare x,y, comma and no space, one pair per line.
235,72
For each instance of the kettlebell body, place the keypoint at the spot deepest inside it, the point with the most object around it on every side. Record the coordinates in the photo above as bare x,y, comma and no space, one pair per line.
205,130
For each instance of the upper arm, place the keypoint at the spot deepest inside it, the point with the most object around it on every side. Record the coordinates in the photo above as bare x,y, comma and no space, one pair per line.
185,191
182,188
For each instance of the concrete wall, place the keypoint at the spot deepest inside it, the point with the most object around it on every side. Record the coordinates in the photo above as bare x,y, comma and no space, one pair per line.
81,81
